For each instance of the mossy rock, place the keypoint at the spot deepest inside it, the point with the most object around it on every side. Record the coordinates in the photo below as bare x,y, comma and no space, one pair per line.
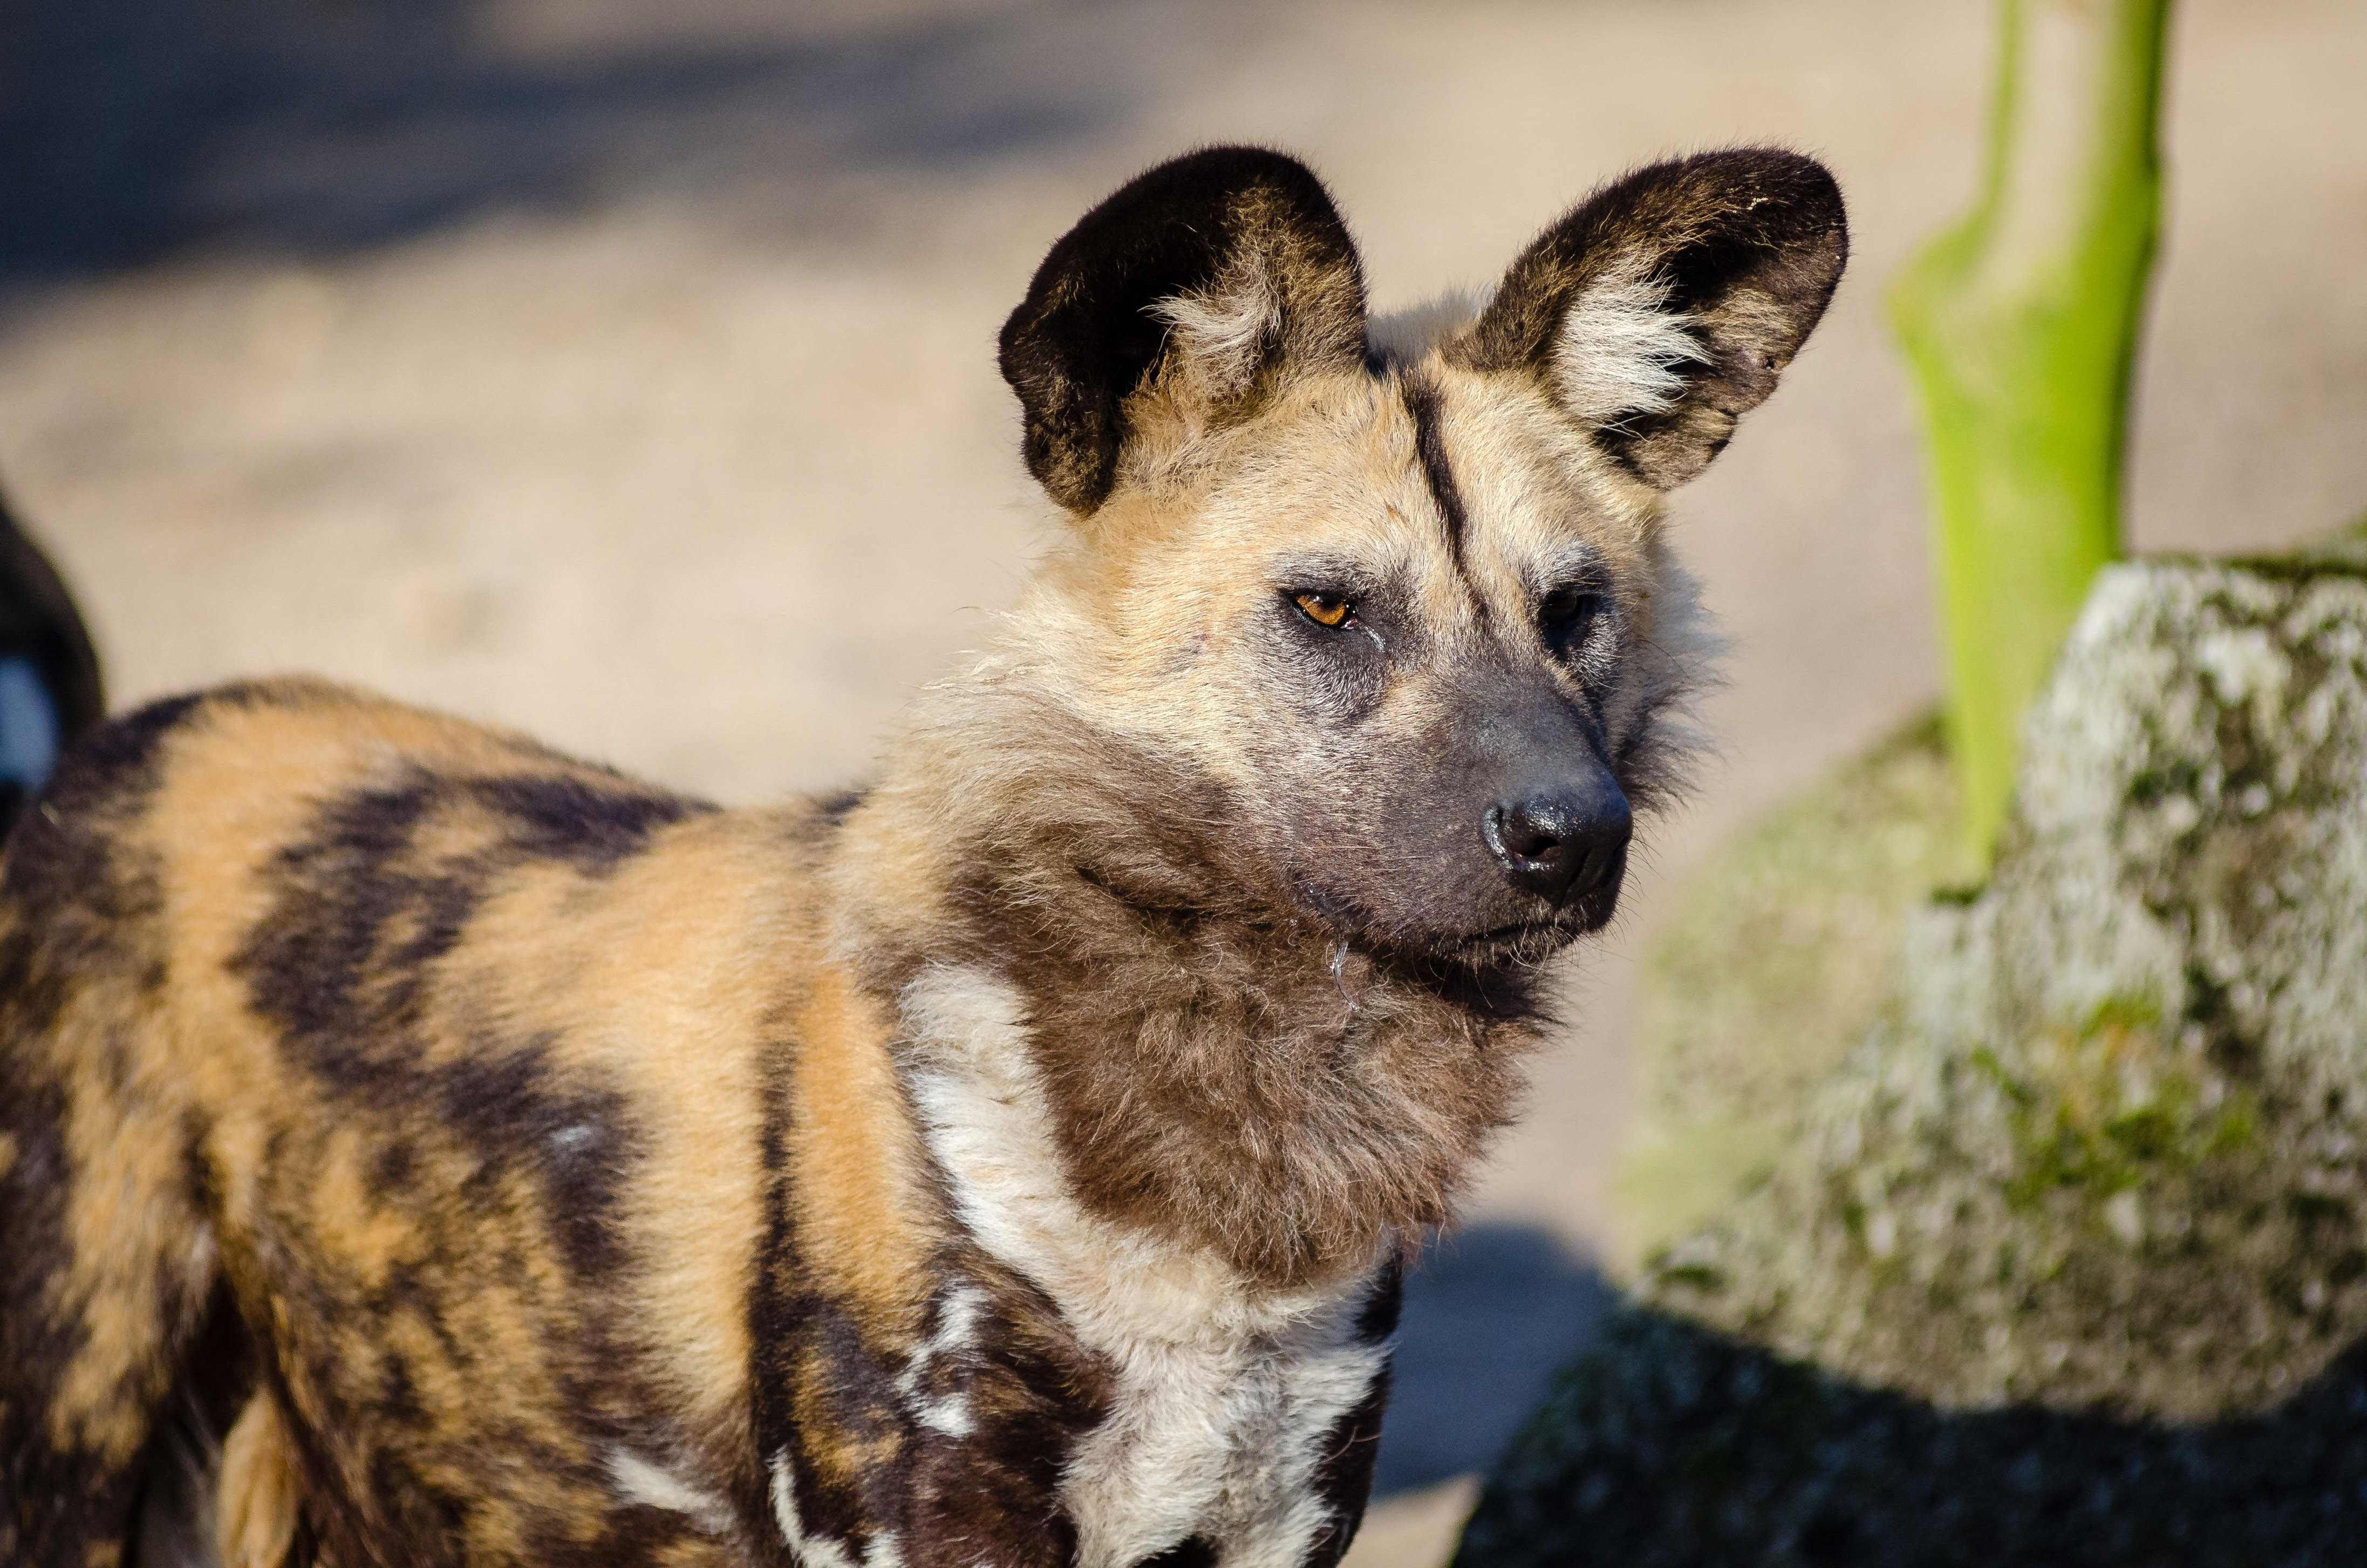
2082,1213
1777,960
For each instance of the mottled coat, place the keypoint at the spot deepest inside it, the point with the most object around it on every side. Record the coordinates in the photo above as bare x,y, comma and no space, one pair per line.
417,1147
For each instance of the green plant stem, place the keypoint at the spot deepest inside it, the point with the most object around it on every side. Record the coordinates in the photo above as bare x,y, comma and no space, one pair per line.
2021,324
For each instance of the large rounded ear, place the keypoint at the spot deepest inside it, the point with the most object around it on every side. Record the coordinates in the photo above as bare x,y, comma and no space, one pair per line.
1209,278
1664,306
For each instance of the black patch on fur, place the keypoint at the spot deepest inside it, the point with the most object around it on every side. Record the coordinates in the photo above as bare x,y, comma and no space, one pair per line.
1749,243
1081,341
177,1468
1377,1318
1345,1477
835,809
1198,1552
311,965
562,817
821,1394
774,1309
580,1141
1032,1391
35,1346
1353,1447
398,1157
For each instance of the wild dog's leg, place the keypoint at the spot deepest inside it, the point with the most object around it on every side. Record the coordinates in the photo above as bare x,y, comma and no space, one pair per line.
109,1261
257,1500
109,1266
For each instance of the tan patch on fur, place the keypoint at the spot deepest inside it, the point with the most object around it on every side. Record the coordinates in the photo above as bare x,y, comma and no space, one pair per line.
258,1492
123,1210
855,1172
374,1237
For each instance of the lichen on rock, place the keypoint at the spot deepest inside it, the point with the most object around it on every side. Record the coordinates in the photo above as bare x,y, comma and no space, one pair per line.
2098,1163
1775,961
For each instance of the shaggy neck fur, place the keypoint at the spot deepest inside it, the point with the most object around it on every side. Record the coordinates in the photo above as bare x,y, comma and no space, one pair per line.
1223,1070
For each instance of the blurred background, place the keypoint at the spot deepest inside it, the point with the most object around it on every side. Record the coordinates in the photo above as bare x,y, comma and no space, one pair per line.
624,373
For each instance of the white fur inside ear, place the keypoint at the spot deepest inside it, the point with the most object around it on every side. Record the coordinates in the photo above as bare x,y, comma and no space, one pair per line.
1619,350
1224,331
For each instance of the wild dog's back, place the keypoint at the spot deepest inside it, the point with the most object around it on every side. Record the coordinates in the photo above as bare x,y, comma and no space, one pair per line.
428,1055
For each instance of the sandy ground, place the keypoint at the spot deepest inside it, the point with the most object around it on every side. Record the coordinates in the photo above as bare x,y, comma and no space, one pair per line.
637,386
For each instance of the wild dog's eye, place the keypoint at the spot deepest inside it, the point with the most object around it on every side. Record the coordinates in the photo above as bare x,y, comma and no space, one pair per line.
1325,609
1568,612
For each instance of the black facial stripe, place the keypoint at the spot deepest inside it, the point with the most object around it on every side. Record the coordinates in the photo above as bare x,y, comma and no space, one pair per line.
1430,449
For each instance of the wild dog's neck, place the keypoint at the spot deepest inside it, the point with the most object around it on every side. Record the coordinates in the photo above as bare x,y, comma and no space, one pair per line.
1215,1068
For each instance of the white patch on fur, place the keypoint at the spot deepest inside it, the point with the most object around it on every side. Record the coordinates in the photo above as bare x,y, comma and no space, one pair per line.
1619,348
951,1414
1328,1375
814,1551
640,1480
1224,331
1224,1392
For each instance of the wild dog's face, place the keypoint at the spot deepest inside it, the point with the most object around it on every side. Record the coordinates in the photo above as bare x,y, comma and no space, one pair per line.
1402,589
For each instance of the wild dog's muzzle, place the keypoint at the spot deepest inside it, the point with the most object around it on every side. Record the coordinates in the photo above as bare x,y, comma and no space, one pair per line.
1505,838
1566,844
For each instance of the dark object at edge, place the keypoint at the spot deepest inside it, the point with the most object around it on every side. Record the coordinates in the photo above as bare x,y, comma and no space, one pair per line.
41,632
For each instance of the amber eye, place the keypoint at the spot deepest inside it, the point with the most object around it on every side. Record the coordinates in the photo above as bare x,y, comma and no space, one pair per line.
1325,609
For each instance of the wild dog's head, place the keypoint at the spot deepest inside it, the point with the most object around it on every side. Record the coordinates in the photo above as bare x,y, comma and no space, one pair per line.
1399,588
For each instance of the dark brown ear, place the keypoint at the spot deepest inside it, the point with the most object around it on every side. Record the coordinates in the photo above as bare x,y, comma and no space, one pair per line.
1664,306
1210,276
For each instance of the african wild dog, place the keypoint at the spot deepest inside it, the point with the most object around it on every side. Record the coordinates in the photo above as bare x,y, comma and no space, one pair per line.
477,1156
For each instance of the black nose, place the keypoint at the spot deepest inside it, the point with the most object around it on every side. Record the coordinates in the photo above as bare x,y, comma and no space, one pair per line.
1562,843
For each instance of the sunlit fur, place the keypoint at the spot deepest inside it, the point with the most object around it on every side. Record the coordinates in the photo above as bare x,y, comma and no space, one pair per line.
418,1147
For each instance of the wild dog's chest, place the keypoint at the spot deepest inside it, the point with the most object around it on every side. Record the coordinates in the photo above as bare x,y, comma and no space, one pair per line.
1222,1402
1224,1441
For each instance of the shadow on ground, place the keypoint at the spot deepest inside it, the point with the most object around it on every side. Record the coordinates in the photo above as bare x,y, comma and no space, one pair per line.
1668,1445
1488,1313
131,127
